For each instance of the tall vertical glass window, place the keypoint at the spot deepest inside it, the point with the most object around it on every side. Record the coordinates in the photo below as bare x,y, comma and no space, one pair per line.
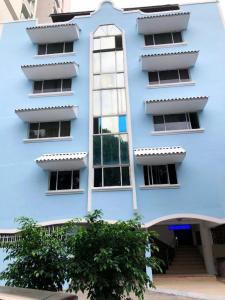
110,137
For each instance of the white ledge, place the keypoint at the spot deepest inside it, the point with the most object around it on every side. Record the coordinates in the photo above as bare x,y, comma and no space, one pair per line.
198,130
64,192
159,186
174,84
165,45
53,94
54,55
111,188
53,139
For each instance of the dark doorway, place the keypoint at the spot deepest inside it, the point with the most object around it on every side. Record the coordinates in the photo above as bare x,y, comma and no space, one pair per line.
184,237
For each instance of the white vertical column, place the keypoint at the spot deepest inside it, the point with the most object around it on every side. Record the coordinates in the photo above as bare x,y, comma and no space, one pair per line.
148,269
207,244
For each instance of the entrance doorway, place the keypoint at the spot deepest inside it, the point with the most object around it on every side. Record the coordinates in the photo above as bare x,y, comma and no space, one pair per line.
184,237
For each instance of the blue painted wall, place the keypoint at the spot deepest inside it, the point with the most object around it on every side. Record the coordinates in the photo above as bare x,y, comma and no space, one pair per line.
202,174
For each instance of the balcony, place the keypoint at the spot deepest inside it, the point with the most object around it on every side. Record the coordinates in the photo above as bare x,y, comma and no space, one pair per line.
175,105
62,161
53,33
168,61
48,114
159,156
162,23
50,71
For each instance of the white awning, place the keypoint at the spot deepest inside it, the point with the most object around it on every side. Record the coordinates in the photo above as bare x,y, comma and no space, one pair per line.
159,156
175,105
168,61
48,114
50,71
62,161
53,33
162,23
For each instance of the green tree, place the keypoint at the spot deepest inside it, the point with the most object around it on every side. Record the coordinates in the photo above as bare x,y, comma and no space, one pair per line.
108,260
37,259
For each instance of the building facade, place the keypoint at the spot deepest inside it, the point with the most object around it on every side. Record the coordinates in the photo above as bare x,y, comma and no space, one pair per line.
118,110
13,10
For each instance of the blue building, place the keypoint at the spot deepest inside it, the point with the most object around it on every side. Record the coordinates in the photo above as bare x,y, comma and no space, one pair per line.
119,110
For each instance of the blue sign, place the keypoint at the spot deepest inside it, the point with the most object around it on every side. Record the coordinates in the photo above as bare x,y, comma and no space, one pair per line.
179,227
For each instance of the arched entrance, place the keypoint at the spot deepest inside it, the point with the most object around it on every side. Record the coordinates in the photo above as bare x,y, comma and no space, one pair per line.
186,243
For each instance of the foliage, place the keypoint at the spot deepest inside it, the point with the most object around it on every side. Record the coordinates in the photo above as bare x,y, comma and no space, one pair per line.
108,260
37,259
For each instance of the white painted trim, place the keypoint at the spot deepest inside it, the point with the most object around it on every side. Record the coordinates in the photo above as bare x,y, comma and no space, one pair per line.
112,188
54,55
199,130
186,216
53,139
64,192
159,186
90,161
172,45
165,85
129,125
53,94
198,2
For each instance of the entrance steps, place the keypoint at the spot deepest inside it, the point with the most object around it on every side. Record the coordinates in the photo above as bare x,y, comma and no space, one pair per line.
187,260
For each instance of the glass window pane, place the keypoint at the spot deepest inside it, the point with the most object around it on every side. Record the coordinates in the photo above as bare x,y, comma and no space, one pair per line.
184,75
113,30
41,49
120,80
96,63
110,125
55,48
101,31
107,43
149,40
122,124
108,62
110,149
96,103
147,175
97,45
177,37
119,42
76,179
97,177
172,174
66,85
97,125
52,181
158,123
50,129
163,38
176,122
37,87
119,61
33,130
112,176
125,176
124,151
153,77
52,86
97,81
194,120
122,101
109,102
169,76
97,150
64,180
108,81
159,174
69,47
65,128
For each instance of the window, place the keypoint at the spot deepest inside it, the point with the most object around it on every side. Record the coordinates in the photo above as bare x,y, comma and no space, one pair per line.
49,130
176,122
53,48
111,176
52,86
64,180
159,175
109,43
170,76
163,38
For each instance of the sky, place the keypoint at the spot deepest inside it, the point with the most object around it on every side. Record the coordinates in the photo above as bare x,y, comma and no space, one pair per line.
79,5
